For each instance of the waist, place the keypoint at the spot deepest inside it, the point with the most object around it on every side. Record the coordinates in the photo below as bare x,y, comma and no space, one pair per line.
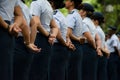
8,22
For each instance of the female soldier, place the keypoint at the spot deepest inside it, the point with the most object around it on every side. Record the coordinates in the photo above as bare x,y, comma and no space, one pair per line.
59,56
74,21
22,55
47,31
98,19
90,57
7,32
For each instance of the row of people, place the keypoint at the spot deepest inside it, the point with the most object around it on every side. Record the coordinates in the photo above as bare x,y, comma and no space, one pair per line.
50,46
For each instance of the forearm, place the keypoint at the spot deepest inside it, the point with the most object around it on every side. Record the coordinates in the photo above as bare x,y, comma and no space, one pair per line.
33,33
54,28
73,37
60,39
98,41
18,20
90,40
3,23
42,30
25,32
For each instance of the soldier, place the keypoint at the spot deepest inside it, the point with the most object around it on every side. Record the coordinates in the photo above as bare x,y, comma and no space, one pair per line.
112,43
74,20
98,19
7,32
44,22
23,55
90,56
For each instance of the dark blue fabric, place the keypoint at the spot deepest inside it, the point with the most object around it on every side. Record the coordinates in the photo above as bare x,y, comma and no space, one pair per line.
39,68
6,55
119,69
74,69
102,68
112,67
89,64
58,62
22,60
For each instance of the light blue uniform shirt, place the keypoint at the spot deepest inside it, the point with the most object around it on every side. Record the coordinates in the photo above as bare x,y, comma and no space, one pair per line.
74,21
61,22
101,35
89,25
112,42
43,9
7,9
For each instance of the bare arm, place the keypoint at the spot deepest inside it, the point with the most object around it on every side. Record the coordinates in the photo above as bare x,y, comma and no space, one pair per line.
90,40
98,45
73,37
98,41
36,25
54,28
18,16
3,23
60,39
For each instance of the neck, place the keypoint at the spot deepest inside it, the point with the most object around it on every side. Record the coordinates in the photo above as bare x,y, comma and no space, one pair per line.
70,9
96,25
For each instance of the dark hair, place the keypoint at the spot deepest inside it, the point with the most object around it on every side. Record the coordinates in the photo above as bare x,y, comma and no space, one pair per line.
77,3
23,1
57,3
88,8
98,16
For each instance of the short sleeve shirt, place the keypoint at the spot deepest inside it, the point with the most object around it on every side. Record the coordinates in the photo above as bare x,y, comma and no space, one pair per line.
101,35
112,42
74,21
42,9
61,21
90,26
7,9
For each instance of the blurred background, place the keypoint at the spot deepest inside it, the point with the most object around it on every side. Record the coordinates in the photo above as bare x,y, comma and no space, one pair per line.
110,9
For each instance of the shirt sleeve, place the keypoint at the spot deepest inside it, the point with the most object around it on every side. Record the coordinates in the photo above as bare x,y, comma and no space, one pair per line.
35,9
85,28
115,43
70,21
17,2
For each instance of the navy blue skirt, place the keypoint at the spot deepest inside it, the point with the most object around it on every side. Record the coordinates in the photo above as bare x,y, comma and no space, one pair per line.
58,62
74,69
6,55
89,64
40,64
22,60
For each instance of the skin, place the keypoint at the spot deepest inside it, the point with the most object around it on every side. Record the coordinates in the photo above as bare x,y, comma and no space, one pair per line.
68,43
20,22
97,43
88,35
70,6
36,25
96,22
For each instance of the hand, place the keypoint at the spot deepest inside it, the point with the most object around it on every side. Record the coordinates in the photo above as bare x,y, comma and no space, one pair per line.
106,52
14,29
33,48
99,52
51,39
72,47
82,40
